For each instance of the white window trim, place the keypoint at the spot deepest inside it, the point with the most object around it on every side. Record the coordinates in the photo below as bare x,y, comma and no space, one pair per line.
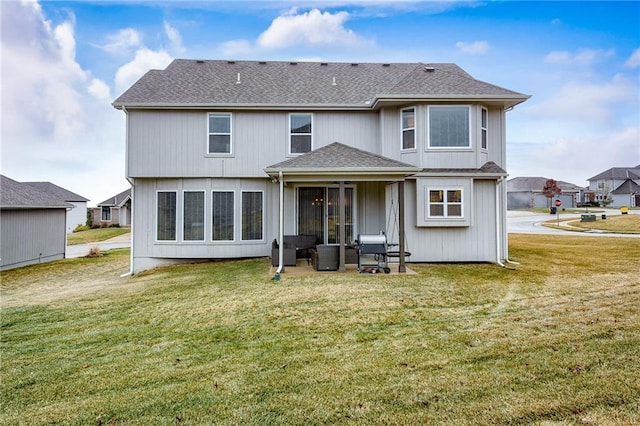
402,130
449,148
155,214
204,219
291,134
263,216
445,204
209,133
235,227
110,214
484,129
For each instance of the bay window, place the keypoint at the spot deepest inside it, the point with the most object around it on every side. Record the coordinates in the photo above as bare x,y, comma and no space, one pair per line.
166,216
449,127
408,128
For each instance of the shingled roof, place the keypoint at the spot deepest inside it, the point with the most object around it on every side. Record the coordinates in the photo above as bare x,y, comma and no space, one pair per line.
535,184
16,195
618,173
117,200
340,158
57,191
213,83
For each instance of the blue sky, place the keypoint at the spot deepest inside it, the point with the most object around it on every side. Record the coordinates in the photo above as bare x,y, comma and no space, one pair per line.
63,63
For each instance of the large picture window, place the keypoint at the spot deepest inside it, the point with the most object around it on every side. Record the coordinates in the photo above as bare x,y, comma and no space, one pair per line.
193,216
223,214
444,203
219,129
252,215
449,127
166,216
300,133
408,128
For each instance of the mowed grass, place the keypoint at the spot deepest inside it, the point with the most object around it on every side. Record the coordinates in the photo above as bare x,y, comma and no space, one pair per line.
95,235
551,340
622,224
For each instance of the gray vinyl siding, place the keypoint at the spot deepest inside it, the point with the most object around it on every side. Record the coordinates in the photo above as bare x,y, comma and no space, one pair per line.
473,243
425,157
32,236
174,143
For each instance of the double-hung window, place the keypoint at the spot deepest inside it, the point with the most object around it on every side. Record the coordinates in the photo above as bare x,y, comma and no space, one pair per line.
408,128
484,127
300,133
445,203
193,216
223,216
219,130
449,127
252,215
166,216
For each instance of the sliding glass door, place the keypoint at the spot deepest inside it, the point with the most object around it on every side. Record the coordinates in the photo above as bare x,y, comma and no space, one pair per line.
319,213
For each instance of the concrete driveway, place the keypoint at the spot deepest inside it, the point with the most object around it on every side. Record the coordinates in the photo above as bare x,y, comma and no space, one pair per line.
522,222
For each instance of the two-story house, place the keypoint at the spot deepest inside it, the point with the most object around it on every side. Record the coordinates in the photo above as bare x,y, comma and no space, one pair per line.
226,156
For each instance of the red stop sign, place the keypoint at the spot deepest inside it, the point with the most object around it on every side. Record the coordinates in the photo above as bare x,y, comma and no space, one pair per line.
558,203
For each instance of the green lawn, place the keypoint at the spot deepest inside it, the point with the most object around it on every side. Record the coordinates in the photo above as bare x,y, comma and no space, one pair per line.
619,224
552,340
95,235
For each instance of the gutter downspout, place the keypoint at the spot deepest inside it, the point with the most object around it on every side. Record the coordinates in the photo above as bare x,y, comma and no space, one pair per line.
498,223
281,230
130,180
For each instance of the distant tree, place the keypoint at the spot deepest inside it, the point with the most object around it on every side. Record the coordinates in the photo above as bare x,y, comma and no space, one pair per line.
603,193
550,190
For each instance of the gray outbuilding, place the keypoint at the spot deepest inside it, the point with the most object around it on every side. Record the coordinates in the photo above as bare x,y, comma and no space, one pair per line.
32,225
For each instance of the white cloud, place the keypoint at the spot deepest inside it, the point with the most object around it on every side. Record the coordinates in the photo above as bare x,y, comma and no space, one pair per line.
174,38
634,59
57,124
99,90
309,28
583,57
123,41
473,48
235,48
144,60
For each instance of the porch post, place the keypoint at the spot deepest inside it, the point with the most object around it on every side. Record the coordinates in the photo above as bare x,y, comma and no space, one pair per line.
342,228
401,266
281,227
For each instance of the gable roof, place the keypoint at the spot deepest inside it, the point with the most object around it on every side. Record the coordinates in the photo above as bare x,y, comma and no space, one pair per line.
535,184
273,84
337,158
16,195
57,191
618,173
627,187
117,200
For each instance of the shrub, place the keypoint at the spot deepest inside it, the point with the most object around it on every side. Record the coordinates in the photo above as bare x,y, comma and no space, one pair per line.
94,252
81,228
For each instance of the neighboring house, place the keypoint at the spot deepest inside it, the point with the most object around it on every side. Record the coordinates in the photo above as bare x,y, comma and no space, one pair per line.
78,214
226,156
32,225
116,211
526,193
621,184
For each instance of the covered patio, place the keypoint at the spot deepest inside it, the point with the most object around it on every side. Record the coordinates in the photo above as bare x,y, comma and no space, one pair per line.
337,168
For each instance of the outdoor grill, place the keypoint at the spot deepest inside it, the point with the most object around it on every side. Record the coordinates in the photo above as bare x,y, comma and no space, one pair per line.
372,253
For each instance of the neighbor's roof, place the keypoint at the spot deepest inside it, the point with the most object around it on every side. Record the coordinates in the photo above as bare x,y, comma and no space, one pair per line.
217,83
117,200
340,158
618,173
16,195
535,184
627,187
57,191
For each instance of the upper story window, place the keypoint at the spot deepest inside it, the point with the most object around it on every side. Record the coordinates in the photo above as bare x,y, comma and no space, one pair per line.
300,133
449,127
219,130
484,128
408,128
